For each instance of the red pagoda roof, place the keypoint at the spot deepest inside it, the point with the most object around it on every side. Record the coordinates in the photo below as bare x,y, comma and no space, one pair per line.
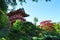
21,11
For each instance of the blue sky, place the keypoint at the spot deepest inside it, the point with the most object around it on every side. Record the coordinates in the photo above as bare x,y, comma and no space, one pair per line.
42,10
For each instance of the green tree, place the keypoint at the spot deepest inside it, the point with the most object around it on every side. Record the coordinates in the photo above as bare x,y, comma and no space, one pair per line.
3,6
3,20
17,25
3,25
23,30
35,21
57,27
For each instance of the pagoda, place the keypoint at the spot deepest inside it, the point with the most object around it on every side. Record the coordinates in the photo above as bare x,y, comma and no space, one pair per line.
18,14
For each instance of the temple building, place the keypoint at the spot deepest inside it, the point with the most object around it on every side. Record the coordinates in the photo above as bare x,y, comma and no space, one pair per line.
18,14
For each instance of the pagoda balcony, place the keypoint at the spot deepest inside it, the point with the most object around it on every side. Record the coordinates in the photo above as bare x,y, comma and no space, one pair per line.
14,18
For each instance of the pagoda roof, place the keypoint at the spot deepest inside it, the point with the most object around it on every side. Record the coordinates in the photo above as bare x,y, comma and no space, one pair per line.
21,11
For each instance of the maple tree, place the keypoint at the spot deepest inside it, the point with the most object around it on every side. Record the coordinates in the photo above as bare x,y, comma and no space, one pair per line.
47,25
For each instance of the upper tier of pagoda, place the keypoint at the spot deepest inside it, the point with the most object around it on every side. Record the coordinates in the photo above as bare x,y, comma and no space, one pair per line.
18,14
19,11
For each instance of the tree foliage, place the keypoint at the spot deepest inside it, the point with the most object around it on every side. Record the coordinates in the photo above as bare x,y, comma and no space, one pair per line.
3,6
47,25
27,31
57,27
3,20
23,29
35,20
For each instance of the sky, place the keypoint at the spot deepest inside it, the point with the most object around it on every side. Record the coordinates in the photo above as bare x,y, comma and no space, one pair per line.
42,10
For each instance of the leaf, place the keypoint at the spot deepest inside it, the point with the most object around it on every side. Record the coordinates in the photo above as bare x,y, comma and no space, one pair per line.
14,2
3,5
